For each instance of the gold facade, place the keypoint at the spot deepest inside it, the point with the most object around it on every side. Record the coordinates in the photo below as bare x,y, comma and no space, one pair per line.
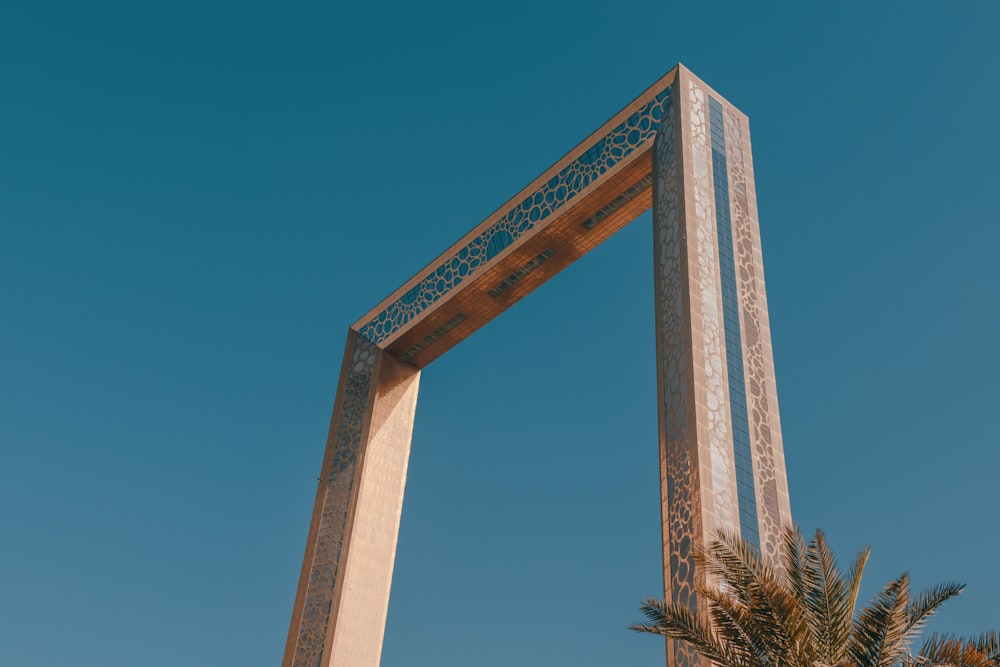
721,457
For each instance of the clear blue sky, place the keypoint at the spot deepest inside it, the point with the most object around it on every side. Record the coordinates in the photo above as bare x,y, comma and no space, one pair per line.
197,199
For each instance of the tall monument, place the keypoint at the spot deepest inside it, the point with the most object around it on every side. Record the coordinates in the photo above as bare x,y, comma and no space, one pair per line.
679,148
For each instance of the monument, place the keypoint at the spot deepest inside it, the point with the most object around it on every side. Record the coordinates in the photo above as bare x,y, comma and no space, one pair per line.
679,148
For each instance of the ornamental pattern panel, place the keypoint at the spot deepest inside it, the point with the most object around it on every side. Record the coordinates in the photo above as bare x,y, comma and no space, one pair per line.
679,475
336,503
720,444
767,505
573,179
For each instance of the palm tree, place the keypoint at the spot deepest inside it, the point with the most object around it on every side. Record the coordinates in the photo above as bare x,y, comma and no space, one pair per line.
803,614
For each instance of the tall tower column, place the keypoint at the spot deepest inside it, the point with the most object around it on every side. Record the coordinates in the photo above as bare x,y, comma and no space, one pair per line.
721,459
351,547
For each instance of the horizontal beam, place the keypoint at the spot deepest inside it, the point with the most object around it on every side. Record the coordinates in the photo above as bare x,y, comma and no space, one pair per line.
594,190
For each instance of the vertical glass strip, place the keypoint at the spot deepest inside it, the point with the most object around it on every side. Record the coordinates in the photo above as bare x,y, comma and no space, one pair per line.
746,495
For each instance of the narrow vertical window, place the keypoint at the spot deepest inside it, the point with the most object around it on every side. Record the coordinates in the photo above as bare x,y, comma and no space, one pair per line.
742,455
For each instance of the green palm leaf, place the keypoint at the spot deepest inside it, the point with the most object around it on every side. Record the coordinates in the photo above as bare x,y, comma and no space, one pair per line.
924,606
801,612
677,622
827,601
880,628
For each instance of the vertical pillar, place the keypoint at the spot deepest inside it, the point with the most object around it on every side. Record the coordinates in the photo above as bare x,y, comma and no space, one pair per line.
721,461
351,547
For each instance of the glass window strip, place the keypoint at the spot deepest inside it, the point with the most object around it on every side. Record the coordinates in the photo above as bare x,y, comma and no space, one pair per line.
742,454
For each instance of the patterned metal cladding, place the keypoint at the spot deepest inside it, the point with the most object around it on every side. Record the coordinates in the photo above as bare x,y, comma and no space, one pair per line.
333,514
719,456
756,356
706,285
631,135
679,478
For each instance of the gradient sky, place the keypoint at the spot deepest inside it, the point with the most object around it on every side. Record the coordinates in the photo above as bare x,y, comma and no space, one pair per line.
198,198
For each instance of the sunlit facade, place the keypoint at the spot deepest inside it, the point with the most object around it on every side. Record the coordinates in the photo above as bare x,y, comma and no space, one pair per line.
680,149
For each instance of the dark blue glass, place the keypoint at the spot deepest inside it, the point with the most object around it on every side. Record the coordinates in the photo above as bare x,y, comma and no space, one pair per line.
746,497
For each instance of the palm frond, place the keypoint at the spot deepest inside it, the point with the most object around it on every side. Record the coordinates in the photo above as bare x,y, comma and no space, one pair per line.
747,634
754,583
988,643
801,612
925,604
880,629
854,578
952,651
735,563
678,622
827,601
795,548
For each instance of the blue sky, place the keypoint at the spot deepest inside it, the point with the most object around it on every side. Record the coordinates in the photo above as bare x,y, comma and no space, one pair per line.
197,199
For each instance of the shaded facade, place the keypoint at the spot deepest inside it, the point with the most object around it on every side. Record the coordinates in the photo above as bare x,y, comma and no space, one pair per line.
680,149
